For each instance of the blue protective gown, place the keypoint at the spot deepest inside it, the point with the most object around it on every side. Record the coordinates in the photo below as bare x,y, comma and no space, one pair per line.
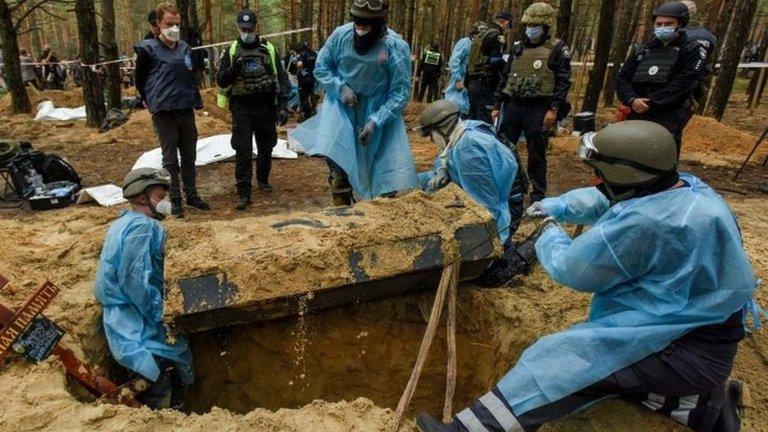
659,266
485,169
381,79
129,286
458,66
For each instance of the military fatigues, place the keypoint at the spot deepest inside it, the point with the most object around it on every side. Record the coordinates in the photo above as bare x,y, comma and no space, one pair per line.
166,82
431,67
668,76
254,84
537,78
484,68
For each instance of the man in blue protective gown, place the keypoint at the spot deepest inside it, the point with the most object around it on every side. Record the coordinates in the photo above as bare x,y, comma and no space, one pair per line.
129,286
365,70
473,157
455,92
671,284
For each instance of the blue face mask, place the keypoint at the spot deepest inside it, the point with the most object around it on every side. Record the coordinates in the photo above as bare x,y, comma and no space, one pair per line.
248,37
664,33
534,33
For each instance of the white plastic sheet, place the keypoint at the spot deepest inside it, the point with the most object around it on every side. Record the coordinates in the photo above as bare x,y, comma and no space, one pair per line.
47,112
106,195
213,149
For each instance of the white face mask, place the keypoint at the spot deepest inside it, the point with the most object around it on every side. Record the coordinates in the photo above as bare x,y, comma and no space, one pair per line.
362,33
163,207
172,33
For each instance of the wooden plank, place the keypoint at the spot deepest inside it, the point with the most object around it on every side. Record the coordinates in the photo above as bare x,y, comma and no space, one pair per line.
3,282
34,305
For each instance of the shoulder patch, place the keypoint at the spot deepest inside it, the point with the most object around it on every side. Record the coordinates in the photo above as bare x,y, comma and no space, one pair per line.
566,52
703,53
502,40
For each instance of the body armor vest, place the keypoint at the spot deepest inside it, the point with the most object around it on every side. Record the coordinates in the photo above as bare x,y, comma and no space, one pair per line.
255,72
654,65
479,62
432,58
529,74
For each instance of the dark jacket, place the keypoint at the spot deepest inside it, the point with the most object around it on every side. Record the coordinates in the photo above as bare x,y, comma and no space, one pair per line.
559,63
256,103
164,76
430,70
685,74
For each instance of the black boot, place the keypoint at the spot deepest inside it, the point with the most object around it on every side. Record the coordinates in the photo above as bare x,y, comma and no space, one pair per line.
730,415
198,203
265,186
176,208
427,423
243,202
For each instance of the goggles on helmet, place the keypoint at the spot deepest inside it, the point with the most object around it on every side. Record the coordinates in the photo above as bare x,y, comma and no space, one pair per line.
588,153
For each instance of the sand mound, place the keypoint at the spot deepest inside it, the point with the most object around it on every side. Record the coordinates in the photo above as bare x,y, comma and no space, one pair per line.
705,134
60,98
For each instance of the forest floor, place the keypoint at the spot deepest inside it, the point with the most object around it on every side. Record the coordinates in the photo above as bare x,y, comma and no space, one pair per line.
341,369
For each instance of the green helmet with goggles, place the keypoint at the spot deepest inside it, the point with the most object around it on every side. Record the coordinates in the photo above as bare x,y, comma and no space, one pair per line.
370,9
138,180
630,154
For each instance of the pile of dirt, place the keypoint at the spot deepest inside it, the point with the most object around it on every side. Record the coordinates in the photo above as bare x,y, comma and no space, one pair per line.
60,98
211,107
287,254
706,137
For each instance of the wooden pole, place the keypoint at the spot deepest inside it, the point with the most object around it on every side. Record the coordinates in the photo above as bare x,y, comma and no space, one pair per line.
451,370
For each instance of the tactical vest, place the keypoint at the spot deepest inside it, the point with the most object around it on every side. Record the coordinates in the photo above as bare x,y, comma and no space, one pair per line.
432,58
654,64
171,83
258,73
529,74
479,64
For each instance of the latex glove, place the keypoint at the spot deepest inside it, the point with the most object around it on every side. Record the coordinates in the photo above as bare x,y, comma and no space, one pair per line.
460,85
641,105
548,224
366,132
282,117
549,119
348,96
439,181
536,210
494,115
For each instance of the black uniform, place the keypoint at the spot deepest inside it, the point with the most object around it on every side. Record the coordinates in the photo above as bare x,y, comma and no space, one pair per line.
668,76
431,66
524,113
484,73
306,81
253,115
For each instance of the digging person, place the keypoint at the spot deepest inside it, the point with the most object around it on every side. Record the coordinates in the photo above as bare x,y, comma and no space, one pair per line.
477,160
365,70
166,82
255,87
659,79
671,283
129,286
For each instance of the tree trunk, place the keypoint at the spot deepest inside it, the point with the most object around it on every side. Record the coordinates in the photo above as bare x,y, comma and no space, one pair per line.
208,21
564,20
482,10
89,54
12,68
602,53
734,45
110,53
754,82
625,21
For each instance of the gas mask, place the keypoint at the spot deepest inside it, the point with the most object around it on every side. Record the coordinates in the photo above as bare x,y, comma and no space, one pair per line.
172,33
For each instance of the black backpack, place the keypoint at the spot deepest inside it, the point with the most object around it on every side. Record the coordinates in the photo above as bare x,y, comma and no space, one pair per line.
56,169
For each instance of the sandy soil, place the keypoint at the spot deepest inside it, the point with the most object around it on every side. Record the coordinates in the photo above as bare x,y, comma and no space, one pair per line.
360,353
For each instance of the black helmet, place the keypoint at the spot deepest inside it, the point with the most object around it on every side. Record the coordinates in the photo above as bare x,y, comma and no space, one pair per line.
370,9
675,9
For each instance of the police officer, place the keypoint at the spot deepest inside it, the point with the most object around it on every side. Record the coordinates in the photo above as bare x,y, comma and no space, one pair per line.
533,87
659,78
255,86
484,67
430,67
707,45
305,75
166,82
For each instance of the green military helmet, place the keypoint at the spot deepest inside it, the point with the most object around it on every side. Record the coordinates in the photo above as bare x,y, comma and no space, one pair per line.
138,180
540,13
630,153
370,9
437,115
